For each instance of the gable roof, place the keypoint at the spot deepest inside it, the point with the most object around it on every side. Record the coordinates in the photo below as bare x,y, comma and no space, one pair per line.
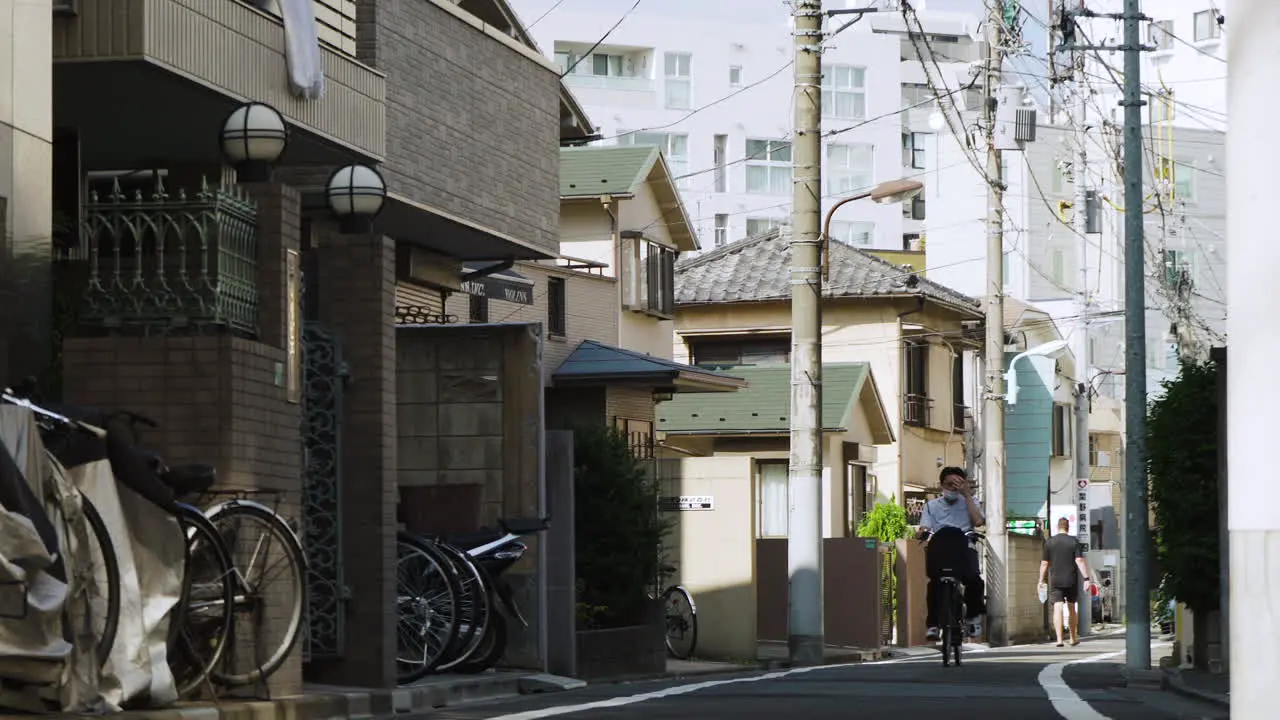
764,406
589,172
757,269
595,363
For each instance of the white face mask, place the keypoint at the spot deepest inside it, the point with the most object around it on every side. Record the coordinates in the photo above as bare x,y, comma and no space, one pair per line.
950,495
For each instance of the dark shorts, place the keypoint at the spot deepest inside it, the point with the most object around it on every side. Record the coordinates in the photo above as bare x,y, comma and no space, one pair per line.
1063,594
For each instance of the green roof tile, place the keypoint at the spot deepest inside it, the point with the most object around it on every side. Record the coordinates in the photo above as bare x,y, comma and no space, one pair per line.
592,171
764,405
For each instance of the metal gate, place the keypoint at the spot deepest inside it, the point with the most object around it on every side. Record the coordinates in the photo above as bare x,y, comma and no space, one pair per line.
324,374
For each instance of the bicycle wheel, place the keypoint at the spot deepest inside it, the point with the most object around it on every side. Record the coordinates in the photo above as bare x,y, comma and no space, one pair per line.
203,620
268,587
682,622
105,595
493,645
427,604
474,607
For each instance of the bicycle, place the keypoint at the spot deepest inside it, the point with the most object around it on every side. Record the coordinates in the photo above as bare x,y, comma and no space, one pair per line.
681,615
944,557
214,587
428,602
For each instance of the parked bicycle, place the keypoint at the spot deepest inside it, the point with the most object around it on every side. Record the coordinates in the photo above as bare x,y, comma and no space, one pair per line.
681,616
223,585
454,600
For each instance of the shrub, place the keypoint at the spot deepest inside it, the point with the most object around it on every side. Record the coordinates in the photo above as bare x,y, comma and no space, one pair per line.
618,529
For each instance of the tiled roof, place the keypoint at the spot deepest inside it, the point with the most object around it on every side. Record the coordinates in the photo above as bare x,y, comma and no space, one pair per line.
757,268
764,405
593,359
591,171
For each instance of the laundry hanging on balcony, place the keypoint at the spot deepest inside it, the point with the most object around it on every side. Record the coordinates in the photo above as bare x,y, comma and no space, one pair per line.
302,49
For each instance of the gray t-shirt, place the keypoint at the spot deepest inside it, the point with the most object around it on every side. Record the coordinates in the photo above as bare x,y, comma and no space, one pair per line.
938,513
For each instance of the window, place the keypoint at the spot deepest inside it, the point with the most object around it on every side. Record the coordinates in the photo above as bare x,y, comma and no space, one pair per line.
1162,106
849,168
916,95
957,392
1062,430
1184,180
913,144
719,351
759,226
773,501
679,80
853,233
660,279
768,167
735,76
556,307
563,60
1058,266
1177,268
479,309
719,152
913,242
674,147
1206,26
844,93
605,65
722,230
1160,34
916,398
639,435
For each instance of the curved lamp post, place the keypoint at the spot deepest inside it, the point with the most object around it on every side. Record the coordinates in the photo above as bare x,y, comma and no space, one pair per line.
253,139
1048,349
355,194
893,191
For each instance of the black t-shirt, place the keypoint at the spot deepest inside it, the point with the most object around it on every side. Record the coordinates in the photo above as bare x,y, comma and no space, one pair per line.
1061,552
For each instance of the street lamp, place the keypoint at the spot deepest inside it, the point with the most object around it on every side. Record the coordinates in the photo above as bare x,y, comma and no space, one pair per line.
356,194
886,193
1011,375
253,138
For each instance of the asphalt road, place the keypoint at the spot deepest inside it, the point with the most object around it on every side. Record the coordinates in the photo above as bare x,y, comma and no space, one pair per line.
1017,683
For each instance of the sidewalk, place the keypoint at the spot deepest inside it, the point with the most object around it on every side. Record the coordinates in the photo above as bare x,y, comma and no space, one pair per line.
1199,684
773,655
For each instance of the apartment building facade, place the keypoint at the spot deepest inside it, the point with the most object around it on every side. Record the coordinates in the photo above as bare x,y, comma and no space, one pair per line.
712,86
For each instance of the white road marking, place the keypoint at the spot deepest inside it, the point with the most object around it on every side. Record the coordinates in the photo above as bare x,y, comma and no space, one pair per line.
685,690
1065,700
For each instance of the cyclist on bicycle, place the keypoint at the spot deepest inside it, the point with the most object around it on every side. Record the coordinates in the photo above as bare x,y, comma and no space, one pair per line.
956,509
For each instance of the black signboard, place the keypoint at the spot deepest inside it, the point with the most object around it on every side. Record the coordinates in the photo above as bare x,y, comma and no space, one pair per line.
506,285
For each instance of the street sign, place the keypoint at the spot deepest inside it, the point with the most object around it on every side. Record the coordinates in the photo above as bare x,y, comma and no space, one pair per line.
687,502
1082,484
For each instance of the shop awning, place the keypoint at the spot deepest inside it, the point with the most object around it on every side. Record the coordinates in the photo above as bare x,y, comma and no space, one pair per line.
507,284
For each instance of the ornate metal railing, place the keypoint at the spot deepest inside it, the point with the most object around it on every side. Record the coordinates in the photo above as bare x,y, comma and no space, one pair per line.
170,262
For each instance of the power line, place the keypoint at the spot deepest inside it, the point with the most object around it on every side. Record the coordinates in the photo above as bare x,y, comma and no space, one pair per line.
604,37
548,11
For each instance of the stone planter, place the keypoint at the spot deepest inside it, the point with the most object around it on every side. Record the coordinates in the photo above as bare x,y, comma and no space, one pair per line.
625,651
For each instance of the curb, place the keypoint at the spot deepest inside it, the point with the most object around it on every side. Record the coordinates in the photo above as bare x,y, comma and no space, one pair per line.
852,656
1172,680
627,679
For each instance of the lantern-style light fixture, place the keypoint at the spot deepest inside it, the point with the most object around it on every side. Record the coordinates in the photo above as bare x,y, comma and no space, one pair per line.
356,194
254,137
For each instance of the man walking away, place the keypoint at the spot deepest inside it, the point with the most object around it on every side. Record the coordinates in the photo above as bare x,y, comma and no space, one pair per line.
1062,557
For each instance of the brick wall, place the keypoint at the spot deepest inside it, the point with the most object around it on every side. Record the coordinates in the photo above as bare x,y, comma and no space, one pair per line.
473,125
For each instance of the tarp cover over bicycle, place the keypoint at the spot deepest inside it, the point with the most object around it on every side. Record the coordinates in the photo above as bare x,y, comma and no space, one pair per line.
50,659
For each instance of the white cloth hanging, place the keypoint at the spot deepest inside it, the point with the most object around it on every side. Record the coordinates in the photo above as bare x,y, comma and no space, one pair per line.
302,49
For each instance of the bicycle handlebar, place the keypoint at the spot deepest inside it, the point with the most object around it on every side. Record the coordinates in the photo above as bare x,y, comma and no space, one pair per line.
8,397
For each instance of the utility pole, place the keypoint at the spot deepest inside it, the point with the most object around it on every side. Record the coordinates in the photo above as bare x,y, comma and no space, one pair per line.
805,643
1080,225
993,402
1136,526
1137,607
1252,294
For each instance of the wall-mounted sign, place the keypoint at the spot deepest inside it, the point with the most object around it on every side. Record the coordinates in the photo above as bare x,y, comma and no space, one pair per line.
506,285
293,326
687,502
1082,513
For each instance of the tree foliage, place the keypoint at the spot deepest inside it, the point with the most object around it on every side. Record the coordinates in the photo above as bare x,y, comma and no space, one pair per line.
618,529
886,522
1182,466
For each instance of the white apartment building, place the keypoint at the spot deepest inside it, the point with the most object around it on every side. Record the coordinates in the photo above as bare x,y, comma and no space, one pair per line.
710,83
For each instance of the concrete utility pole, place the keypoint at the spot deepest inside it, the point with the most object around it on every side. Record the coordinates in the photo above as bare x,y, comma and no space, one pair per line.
1252,298
805,642
993,403
1080,224
1137,525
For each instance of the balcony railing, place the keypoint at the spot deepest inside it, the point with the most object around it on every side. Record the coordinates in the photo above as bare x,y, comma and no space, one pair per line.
167,262
609,82
915,410
959,419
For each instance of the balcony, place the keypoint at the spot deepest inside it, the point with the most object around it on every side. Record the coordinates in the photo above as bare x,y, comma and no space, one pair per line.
113,58
959,417
163,262
609,82
916,410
